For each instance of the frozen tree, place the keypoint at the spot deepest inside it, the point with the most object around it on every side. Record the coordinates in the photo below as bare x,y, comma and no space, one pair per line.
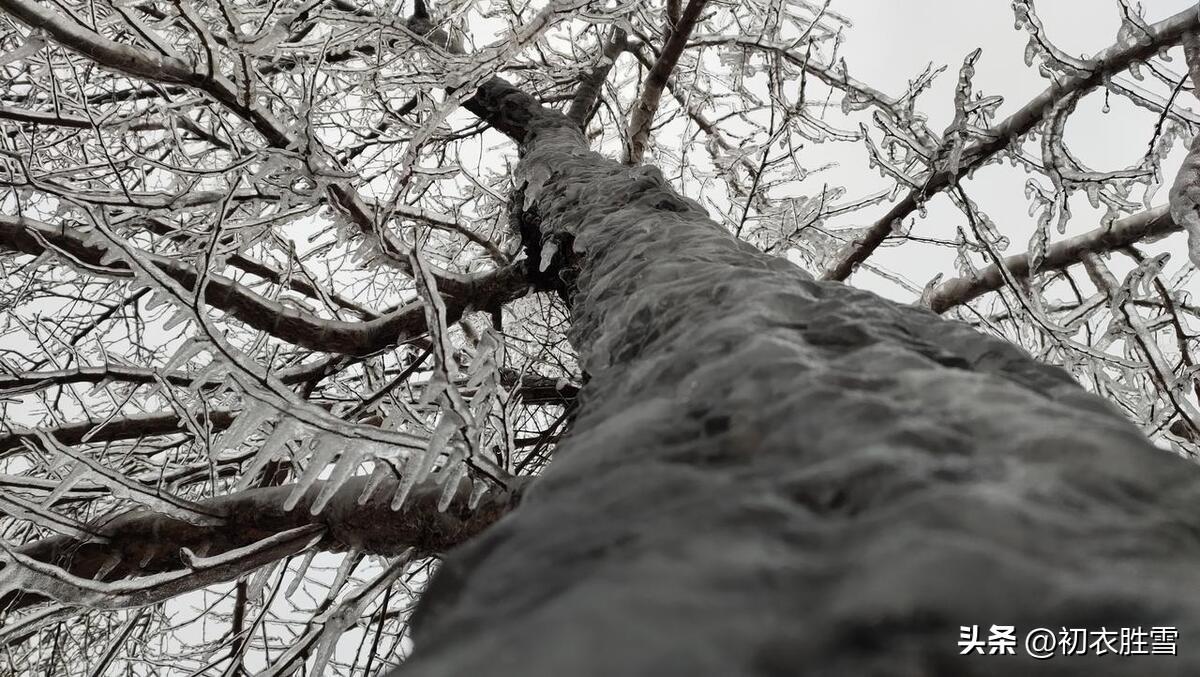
300,296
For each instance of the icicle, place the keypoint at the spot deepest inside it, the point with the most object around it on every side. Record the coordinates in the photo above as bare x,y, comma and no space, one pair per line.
381,473
549,249
342,471
347,566
418,466
78,473
454,477
246,423
110,562
269,451
258,582
478,491
300,572
189,349
325,447
177,318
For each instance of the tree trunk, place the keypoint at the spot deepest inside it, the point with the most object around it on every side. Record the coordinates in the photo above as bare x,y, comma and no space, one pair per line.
773,475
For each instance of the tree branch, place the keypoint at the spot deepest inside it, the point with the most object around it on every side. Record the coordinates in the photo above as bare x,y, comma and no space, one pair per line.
1112,60
1184,197
155,67
142,543
642,116
43,118
125,428
1149,224
533,390
484,292
583,104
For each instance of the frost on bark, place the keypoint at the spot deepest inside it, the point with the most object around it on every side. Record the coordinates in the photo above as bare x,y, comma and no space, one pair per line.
775,475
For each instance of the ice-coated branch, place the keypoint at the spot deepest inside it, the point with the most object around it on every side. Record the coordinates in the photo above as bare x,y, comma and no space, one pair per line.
642,116
125,428
141,543
1147,225
640,52
587,93
43,117
485,291
30,380
117,56
1160,370
266,272
831,76
530,389
155,67
1185,192
1108,62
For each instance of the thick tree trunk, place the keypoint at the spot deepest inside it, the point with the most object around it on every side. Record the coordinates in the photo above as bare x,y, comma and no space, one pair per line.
772,475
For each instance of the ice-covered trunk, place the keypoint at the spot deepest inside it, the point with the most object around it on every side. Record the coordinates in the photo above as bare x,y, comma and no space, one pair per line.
773,475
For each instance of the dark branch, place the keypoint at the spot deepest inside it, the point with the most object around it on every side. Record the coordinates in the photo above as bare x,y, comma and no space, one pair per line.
642,116
483,292
141,543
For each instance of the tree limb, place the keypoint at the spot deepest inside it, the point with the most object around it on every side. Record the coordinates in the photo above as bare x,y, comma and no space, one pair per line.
142,543
155,67
1149,224
1184,197
583,104
642,116
125,428
300,328
533,390
1112,60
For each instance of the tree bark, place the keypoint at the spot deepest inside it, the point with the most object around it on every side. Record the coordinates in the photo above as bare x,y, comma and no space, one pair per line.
775,475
